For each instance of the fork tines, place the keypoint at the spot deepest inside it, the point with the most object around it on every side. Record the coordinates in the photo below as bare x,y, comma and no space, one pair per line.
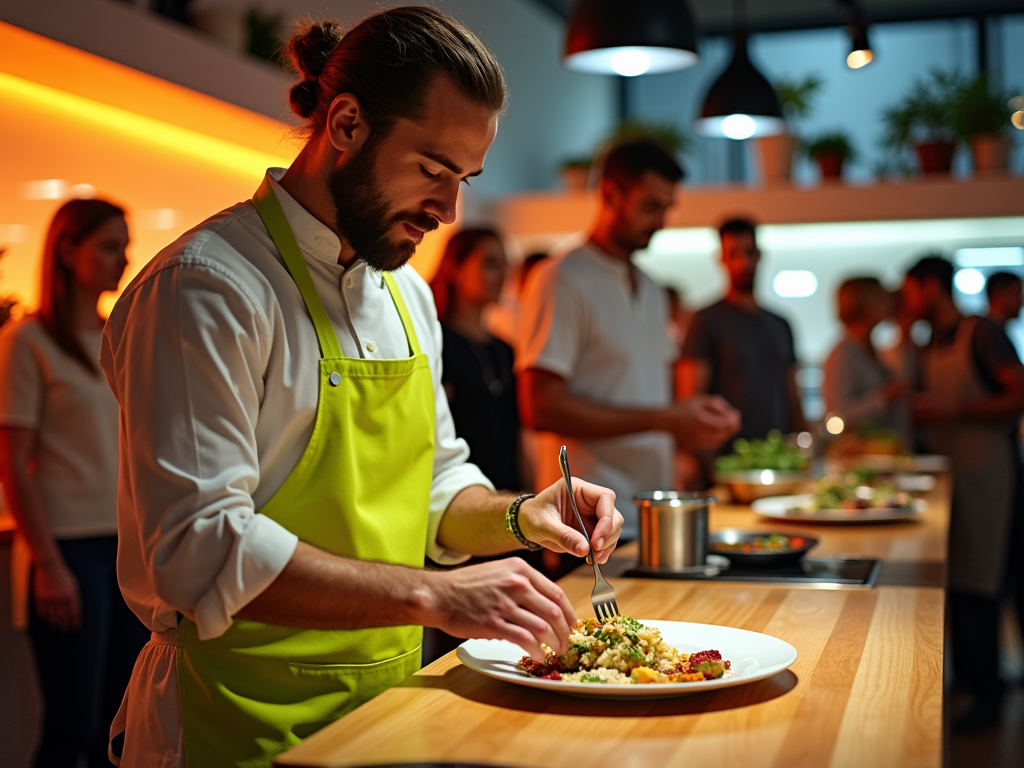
606,610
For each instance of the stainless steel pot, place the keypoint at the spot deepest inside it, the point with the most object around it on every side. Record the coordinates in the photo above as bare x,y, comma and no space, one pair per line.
673,529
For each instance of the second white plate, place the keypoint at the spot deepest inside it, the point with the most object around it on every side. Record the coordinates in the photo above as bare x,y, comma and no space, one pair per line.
793,508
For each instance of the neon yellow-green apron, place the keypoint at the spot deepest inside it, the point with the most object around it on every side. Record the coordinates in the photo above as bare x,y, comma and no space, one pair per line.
361,490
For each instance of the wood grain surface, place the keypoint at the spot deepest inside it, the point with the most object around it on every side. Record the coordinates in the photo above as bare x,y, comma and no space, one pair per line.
866,690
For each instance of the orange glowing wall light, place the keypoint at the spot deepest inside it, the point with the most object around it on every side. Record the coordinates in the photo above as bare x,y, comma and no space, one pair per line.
78,124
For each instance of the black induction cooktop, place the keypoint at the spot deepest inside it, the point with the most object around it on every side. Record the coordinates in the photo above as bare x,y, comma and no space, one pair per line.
812,572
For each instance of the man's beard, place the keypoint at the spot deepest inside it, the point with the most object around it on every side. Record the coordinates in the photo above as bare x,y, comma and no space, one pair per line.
364,217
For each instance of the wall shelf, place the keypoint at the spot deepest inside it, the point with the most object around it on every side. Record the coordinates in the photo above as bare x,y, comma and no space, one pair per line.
539,217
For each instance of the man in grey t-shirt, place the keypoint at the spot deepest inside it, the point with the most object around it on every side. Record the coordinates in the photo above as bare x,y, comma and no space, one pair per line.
741,351
594,359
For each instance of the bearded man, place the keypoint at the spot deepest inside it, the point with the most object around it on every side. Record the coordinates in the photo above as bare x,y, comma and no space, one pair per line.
288,459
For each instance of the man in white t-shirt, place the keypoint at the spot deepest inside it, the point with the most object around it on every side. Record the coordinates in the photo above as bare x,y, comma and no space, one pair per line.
594,358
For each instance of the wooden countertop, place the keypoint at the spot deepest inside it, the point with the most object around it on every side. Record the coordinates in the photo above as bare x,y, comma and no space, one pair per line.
865,690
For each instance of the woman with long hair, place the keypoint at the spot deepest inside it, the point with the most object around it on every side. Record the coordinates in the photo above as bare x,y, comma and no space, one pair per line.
477,367
58,466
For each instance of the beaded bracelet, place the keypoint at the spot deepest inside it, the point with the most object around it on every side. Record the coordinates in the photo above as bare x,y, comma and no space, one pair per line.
512,522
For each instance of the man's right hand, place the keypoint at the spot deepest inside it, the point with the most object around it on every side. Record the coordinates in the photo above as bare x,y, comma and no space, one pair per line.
702,421
501,600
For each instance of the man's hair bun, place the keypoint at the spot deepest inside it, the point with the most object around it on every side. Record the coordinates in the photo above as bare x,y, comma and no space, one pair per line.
309,49
303,98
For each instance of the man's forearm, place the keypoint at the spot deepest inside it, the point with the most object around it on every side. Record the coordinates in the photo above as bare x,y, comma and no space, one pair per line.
545,405
474,523
318,590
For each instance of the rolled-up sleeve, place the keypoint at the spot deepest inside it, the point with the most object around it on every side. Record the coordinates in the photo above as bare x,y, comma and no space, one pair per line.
184,352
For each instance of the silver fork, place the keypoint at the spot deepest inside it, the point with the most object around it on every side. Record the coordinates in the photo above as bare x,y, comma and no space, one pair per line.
603,596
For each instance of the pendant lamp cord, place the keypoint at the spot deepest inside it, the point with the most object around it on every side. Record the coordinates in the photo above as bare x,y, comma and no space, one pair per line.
739,14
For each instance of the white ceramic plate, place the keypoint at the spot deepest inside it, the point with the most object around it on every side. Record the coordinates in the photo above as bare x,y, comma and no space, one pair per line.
915,483
754,657
924,462
793,509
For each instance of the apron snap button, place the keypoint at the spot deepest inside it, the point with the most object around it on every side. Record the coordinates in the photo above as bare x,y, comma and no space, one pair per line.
335,379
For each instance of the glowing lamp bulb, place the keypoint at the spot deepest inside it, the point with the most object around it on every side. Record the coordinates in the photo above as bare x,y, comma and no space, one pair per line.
835,425
858,59
739,126
631,62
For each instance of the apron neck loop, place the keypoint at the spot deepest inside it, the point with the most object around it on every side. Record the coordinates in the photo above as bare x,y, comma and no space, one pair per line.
269,209
403,312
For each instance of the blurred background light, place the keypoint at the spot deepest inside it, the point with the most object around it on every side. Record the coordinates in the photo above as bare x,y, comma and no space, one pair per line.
795,283
630,62
989,257
969,281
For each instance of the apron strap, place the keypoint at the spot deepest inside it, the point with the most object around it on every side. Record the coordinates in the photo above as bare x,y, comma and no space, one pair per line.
269,209
403,312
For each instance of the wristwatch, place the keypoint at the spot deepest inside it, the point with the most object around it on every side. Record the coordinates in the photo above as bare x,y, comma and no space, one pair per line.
512,522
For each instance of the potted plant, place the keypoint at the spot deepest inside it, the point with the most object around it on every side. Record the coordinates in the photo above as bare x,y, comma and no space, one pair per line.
983,122
831,151
926,121
575,172
795,97
667,134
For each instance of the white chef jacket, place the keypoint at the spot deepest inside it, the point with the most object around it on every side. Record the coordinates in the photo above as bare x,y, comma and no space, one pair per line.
582,320
215,364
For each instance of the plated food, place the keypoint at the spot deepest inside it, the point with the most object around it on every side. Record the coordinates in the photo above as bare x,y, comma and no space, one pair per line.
624,652
858,490
800,509
753,656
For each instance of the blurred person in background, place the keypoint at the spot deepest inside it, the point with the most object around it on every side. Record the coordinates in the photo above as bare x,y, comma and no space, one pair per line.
858,386
503,318
970,405
58,464
1005,297
477,368
594,359
1005,300
740,351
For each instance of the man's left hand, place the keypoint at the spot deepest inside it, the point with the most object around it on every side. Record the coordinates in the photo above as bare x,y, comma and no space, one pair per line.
549,520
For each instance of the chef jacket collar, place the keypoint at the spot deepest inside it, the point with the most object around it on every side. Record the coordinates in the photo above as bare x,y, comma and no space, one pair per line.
312,235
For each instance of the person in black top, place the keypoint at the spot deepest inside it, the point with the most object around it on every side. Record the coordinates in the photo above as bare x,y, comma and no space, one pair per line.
741,351
737,349
971,401
477,367
1005,297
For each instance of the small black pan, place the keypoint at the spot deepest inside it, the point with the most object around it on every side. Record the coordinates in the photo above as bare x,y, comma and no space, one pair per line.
741,547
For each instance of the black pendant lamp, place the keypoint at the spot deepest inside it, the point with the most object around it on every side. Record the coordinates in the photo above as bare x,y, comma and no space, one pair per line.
611,37
741,103
860,49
